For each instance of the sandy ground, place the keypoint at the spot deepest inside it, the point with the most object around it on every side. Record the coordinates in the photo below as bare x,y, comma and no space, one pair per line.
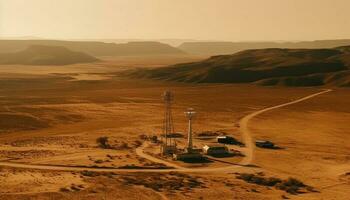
314,136
53,117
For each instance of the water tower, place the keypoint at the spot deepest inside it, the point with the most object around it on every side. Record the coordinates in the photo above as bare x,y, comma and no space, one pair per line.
190,113
189,153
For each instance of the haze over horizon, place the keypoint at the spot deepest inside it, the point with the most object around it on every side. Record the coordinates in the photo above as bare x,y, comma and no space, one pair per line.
228,20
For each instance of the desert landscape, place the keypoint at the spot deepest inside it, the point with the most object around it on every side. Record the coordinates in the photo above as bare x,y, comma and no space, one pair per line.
174,100
52,120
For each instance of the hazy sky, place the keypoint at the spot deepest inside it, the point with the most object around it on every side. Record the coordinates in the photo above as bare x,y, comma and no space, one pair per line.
234,20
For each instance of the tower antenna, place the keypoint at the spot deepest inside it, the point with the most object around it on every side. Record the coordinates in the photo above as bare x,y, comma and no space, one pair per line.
168,143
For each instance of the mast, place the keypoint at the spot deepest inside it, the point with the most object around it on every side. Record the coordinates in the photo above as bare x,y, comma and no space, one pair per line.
168,127
190,113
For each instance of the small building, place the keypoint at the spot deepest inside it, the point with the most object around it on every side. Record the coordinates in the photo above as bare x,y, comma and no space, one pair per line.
215,149
186,155
226,140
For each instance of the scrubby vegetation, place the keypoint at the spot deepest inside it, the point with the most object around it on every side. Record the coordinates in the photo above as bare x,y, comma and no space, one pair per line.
88,173
170,182
110,143
103,142
291,185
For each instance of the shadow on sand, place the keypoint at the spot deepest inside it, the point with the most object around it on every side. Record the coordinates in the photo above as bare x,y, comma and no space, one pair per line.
198,160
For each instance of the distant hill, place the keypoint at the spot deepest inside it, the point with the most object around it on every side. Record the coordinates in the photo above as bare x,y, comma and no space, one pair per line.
291,67
45,55
172,42
219,48
95,48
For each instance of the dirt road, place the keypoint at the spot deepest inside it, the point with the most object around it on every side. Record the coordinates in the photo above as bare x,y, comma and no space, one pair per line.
247,135
248,151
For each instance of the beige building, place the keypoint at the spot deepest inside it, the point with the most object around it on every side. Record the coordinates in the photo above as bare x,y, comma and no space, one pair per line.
215,149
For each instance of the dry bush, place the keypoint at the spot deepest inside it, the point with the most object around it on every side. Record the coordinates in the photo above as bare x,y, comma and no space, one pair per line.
89,173
143,137
291,185
103,143
99,161
137,143
170,183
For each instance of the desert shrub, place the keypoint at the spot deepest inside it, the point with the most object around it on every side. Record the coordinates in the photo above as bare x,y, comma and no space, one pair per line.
143,137
272,181
170,183
293,181
291,185
89,173
154,139
124,145
102,142
137,143
259,180
99,161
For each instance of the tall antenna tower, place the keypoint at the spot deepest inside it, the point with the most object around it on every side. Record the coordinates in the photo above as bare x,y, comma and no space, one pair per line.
168,143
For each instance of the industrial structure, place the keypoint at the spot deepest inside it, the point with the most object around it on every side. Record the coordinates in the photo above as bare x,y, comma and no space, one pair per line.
190,153
168,144
190,113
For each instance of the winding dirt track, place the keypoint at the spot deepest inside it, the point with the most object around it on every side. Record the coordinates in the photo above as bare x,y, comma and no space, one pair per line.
247,135
247,160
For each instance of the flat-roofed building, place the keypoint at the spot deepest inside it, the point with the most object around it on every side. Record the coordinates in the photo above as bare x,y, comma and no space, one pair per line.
215,149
